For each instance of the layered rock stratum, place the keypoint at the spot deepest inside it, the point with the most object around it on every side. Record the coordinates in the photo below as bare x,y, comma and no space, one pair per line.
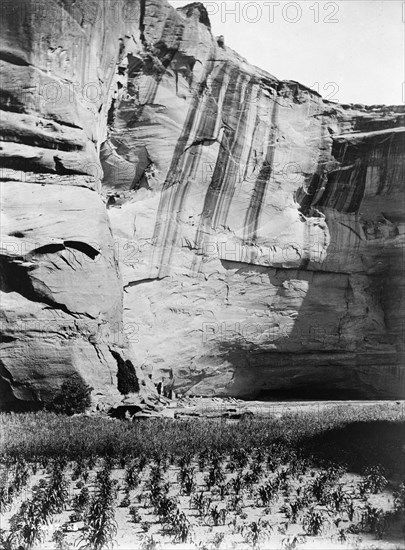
172,212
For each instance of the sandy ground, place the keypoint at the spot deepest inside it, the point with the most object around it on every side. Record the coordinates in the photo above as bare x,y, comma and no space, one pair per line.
131,535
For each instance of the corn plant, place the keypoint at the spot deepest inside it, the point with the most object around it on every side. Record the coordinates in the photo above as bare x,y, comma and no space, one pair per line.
131,475
201,503
256,532
318,487
10,490
202,459
267,492
179,527
3,499
374,479
257,470
258,455
59,539
145,526
216,458
134,513
5,542
166,506
185,471
249,480
235,504
350,509
334,472
109,462
6,498
399,498
142,461
342,536
291,510
240,457
298,467
57,490
80,469
155,475
217,540
272,463
165,461
91,461
236,484
215,476
81,501
158,495
337,499
21,475
148,543
231,466
186,478
314,522
125,502
217,515
26,525
100,526
189,485
185,460
363,489
291,543
374,520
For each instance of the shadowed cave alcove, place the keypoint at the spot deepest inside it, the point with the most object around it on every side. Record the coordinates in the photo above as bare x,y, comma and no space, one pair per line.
127,379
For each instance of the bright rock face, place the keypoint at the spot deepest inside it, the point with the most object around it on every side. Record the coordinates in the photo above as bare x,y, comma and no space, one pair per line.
253,230
61,286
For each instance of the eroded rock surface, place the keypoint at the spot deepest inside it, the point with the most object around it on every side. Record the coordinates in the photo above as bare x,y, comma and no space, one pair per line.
253,229
262,224
61,286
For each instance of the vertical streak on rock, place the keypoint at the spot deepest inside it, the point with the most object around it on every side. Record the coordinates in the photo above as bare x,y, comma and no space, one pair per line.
309,196
239,159
256,201
225,178
347,186
358,186
177,184
142,21
229,155
385,155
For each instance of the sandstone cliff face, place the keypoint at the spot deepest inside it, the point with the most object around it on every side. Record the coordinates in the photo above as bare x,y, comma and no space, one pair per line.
253,230
61,287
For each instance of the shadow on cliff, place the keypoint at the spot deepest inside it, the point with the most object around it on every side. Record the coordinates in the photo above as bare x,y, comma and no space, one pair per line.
313,354
331,350
301,359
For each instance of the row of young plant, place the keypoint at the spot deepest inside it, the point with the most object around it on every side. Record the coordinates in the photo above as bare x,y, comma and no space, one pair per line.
31,523
324,490
264,476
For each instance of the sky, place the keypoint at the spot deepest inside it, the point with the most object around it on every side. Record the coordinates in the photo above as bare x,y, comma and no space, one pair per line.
351,51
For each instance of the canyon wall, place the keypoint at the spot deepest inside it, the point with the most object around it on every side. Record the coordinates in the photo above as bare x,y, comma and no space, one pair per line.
172,210
61,286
